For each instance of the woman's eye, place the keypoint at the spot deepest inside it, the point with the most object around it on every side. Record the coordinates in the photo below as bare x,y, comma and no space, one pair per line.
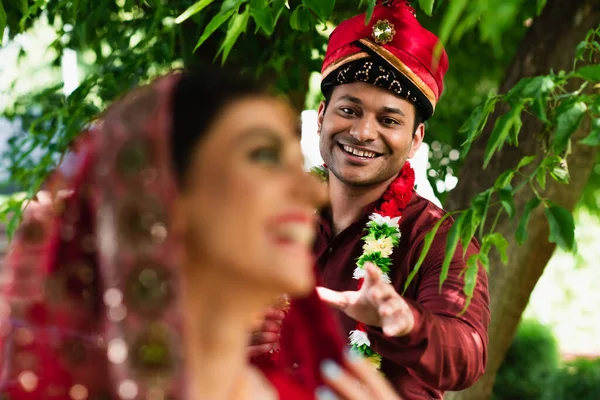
266,155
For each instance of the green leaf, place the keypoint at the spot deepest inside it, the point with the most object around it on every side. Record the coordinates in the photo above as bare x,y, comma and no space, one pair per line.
278,7
476,122
237,25
504,179
193,9
427,6
540,176
370,9
263,16
469,227
525,161
507,200
451,243
521,233
569,116
301,19
224,14
481,205
2,21
470,279
323,8
503,126
560,174
451,17
540,6
589,73
593,139
562,227
496,239
426,246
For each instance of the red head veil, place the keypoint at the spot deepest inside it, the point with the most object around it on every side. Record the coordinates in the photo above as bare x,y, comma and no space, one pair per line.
89,307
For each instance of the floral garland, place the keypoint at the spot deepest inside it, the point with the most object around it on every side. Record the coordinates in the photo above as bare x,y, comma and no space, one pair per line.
379,243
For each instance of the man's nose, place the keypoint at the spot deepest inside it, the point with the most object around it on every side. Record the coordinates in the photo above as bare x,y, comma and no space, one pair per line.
364,129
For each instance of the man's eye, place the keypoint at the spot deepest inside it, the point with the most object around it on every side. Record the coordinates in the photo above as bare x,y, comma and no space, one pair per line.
389,121
266,155
348,111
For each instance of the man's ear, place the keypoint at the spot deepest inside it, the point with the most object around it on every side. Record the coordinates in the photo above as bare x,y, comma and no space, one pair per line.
322,107
417,140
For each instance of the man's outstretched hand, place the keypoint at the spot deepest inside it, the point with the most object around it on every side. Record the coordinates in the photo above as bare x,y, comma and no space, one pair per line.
376,303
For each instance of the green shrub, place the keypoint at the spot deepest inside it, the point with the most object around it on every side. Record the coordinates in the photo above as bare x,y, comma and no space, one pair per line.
578,379
530,362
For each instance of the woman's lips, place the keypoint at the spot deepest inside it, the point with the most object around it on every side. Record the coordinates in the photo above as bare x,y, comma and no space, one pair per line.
293,229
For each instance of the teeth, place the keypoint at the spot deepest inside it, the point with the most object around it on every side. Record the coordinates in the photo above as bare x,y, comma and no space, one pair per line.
360,153
301,233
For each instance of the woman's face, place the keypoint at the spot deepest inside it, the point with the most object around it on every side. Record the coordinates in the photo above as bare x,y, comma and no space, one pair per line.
248,206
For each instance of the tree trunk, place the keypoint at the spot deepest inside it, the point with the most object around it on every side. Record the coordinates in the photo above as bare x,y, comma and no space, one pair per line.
549,44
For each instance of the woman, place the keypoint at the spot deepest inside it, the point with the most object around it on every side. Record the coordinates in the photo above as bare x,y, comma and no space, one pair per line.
186,212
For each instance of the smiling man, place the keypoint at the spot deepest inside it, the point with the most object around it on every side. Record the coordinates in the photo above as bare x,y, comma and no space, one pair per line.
381,81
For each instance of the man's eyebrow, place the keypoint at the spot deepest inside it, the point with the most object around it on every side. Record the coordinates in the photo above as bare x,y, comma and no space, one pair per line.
393,110
351,99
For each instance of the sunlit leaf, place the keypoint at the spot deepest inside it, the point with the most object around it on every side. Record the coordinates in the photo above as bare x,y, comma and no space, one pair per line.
451,17
263,16
427,6
540,6
323,8
2,21
560,173
237,25
451,243
426,246
215,23
481,205
507,200
370,8
569,116
521,233
593,139
562,227
301,19
470,279
476,122
540,176
503,126
496,239
469,226
193,9
504,179
589,72
525,161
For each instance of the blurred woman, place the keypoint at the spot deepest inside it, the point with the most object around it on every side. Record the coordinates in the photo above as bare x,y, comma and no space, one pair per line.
187,212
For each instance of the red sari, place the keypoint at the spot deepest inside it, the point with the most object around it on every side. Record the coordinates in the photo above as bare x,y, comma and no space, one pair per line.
89,307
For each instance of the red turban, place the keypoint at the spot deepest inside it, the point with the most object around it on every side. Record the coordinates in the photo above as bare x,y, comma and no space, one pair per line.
392,40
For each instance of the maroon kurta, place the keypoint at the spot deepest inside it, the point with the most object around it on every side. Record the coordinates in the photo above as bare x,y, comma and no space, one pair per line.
444,351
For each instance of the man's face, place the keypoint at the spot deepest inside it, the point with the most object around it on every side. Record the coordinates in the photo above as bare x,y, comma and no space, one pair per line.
366,134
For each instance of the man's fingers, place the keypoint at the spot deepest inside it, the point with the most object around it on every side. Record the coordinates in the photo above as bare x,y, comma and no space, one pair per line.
270,326
396,318
333,298
257,350
257,338
274,314
381,293
372,276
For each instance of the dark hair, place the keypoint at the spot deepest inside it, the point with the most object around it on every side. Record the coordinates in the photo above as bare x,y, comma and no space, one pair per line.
199,96
418,115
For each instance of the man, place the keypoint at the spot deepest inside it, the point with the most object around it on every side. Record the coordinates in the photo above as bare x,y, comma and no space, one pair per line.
380,82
